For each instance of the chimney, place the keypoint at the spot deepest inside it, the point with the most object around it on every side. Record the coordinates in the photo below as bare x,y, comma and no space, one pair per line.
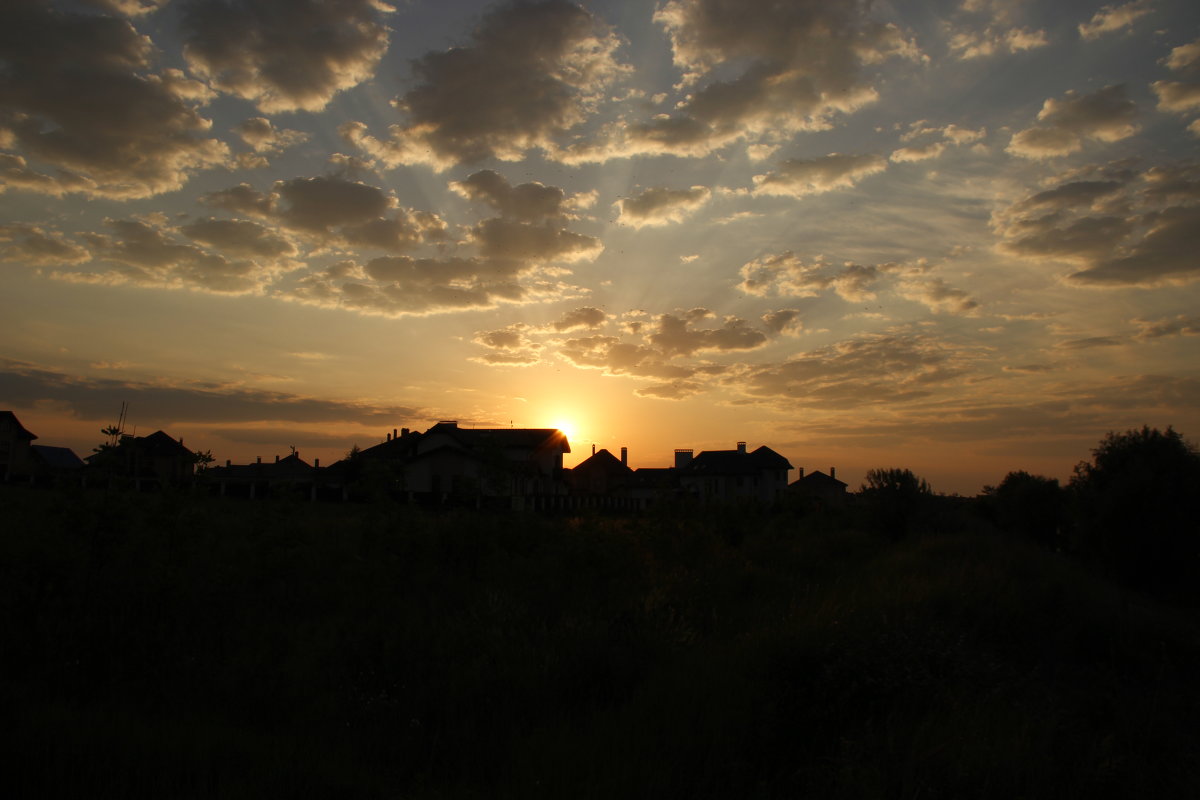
258,459
801,475
833,472
394,434
228,462
316,463
683,457
404,431
593,448
389,437
625,456
742,448
277,458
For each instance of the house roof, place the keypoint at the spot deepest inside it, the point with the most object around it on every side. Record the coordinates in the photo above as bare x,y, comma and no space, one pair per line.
735,462
504,438
160,444
57,457
817,479
290,467
603,461
18,428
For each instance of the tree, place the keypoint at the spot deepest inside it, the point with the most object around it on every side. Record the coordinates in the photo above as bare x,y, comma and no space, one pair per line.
1135,507
1030,505
894,499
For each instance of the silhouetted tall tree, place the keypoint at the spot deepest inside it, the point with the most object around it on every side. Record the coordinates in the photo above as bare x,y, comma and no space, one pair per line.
894,498
1030,505
1136,506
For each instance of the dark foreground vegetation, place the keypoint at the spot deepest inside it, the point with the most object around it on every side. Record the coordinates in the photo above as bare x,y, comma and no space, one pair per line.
173,646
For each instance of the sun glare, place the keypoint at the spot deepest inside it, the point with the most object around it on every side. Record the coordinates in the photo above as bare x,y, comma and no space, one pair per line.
567,427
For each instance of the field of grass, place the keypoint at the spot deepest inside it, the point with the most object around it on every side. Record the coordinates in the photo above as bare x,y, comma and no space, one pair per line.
171,646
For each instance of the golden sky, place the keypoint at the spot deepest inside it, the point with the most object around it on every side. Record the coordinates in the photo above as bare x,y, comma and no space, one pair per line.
959,237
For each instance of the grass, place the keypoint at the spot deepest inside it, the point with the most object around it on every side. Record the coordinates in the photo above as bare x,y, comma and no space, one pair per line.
189,647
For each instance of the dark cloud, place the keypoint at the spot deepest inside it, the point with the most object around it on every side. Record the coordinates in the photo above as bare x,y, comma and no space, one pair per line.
1181,325
1165,255
584,317
36,246
798,64
507,239
78,93
239,237
25,385
661,206
800,177
531,72
241,199
1106,115
321,203
263,137
284,55
868,370
527,202
675,336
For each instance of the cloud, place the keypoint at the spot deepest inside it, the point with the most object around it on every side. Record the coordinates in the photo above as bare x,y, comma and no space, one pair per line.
1152,241
506,239
509,346
800,177
1091,343
1176,96
284,55
918,152
786,275
263,137
531,73
1106,115
585,317
984,28
1113,18
1179,325
77,93
661,206
938,296
675,335
671,390
866,370
395,286
527,202
783,320
764,70
321,203
146,252
163,403
130,8
36,246
1184,57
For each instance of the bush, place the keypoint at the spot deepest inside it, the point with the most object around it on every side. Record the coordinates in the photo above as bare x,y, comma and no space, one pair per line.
1030,505
1135,506
894,499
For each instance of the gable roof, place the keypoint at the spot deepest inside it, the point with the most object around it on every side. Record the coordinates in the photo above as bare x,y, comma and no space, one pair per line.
735,462
160,443
15,424
603,461
817,479
56,457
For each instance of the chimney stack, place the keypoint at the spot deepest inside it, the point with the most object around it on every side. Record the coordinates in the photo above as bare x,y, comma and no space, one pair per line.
258,459
394,436
833,472
228,462
683,457
389,437
404,431
742,448
316,463
801,475
625,456
277,458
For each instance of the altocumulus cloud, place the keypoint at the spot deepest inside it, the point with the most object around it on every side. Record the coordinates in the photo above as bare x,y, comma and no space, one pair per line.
25,385
661,206
138,134
284,55
800,177
1065,124
531,73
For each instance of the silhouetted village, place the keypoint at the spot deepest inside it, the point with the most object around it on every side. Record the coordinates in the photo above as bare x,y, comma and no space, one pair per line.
446,465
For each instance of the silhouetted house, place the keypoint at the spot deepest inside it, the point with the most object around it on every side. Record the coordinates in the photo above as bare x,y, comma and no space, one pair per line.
601,473
452,463
54,464
288,474
653,485
816,490
154,460
733,475
15,442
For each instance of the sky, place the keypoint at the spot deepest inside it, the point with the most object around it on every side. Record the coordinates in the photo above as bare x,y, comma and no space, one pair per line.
956,236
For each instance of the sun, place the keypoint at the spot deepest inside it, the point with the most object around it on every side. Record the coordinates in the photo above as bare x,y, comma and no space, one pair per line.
568,428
